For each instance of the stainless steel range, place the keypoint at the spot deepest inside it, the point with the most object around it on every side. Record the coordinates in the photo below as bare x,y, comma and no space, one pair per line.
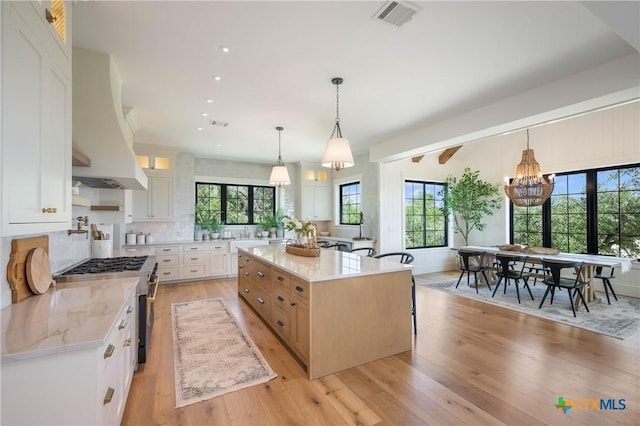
143,267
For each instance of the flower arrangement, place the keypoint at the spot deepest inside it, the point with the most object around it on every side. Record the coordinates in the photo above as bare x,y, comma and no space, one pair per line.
298,226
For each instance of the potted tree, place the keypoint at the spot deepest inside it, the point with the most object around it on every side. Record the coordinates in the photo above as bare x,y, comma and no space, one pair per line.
469,199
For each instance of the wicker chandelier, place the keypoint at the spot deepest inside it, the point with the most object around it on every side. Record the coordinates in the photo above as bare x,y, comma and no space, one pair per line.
529,187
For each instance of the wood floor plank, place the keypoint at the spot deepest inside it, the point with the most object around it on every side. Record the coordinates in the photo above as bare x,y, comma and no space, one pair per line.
471,363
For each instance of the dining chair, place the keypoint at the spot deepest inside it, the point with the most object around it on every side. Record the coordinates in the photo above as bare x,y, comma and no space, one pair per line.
508,269
553,279
339,246
606,281
370,251
473,261
406,258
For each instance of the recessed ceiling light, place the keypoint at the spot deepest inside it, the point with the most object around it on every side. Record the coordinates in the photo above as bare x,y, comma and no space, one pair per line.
218,145
217,78
204,114
199,129
224,49
209,100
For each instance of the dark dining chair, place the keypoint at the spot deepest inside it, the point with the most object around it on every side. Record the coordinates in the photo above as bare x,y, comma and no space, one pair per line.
369,251
405,258
339,246
553,279
606,281
473,261
508,269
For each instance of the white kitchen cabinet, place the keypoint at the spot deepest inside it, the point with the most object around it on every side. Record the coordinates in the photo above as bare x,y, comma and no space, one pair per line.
156,203
36,121
316,202
218,258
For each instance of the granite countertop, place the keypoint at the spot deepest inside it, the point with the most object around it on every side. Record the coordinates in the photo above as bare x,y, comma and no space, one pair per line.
68,317
330,265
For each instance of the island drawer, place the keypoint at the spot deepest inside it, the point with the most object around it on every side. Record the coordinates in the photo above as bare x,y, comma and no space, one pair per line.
262,275
261,302
282,297
300,289
280,322
169,273
281,278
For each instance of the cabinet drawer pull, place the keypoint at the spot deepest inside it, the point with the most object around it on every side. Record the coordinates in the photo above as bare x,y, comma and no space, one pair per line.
49,210
280,323
217,247
50,17
166,249
280,298
194,258
261,274
246,290
108,396
122,325
246,274
166,273
166,260
280,278
194,270
261,300
109,352
127,342
299,289
130,309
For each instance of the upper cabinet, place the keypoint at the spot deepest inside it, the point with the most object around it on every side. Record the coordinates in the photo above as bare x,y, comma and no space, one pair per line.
315,193
36,117
156,203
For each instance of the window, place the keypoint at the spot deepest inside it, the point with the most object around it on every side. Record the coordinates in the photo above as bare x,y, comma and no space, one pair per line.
591,211
426,224
350,206
234,204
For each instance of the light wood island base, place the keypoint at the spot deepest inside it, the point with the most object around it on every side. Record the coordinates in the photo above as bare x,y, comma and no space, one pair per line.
332,318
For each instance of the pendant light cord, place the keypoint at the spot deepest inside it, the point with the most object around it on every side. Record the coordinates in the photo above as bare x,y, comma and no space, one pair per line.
336,128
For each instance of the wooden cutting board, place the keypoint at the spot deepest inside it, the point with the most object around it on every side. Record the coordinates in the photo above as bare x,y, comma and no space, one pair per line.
38,270
17,266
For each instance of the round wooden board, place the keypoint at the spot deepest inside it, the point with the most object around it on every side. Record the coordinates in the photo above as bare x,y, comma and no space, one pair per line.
38,270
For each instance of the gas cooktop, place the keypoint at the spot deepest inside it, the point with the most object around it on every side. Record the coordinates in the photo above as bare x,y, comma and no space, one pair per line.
111,267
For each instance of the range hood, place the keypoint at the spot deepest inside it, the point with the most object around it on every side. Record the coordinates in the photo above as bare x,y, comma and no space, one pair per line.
98,124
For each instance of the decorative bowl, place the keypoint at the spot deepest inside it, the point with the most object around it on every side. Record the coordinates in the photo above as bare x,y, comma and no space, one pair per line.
324,234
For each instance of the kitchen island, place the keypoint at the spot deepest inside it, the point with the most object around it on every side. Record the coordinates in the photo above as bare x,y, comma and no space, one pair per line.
333,312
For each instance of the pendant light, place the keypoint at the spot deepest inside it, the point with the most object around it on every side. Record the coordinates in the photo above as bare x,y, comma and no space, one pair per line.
279,174
529,187
337,154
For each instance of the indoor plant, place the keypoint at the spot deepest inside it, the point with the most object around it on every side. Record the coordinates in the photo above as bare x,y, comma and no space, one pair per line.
468,200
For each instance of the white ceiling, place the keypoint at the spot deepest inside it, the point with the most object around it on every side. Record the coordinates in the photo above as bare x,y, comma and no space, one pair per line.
452,57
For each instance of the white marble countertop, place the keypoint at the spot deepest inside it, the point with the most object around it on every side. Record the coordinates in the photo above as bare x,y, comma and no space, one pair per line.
68,317
330,265
180,242
345,239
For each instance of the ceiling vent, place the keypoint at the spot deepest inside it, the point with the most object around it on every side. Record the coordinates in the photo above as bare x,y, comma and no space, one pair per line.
397,13
218,123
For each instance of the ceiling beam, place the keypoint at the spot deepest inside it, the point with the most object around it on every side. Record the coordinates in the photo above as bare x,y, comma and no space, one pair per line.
417,158
447,154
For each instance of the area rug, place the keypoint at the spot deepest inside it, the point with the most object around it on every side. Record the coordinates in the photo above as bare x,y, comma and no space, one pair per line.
212,355
621,319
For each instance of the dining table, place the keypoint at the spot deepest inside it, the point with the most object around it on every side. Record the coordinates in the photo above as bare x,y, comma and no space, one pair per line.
587,273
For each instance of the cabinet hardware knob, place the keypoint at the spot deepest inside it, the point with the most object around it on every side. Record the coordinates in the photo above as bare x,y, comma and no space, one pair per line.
261,274
194,258
127,342
293,303
280,278
193,248
122,325
280,323
130,309
166,273
109,352
299,289
166,260
49,210
194,270
246,274
280,298
108,396
167,249
261,300
246,290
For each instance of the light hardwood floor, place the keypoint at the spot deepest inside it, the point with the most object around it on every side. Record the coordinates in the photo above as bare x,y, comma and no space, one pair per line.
471,363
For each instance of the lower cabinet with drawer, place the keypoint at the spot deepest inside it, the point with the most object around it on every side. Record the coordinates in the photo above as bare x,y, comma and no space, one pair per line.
87,386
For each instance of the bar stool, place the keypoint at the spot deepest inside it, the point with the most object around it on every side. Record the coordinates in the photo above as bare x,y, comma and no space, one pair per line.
605,281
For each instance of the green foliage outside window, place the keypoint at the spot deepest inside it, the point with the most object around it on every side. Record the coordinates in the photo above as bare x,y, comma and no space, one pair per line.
233,204
425,223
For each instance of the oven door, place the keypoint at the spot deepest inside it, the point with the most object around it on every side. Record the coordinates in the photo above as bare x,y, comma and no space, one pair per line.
146,312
